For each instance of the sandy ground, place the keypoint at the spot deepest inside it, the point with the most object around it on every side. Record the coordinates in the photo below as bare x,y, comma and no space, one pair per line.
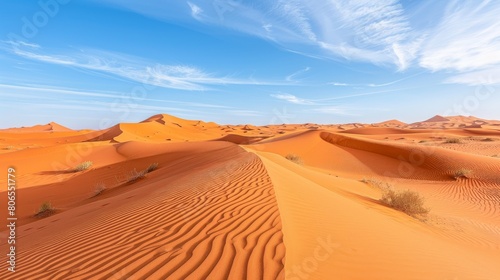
223,202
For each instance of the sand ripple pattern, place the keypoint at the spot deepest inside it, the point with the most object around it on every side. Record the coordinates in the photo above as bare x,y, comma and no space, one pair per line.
230,229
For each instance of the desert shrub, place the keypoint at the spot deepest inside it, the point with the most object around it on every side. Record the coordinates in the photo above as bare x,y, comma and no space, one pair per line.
136,176
152,167
99,188
488,140
409,202
462,173
83,166
45,209
373,182
452,141
294,158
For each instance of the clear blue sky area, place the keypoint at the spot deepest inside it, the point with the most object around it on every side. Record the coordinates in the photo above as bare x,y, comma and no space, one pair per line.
91,64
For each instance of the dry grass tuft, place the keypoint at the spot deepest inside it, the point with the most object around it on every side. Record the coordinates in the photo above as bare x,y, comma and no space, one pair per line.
152,167
83,166
136,176
294,158
453,141
374,182
46,209
462,173
99,189
409,202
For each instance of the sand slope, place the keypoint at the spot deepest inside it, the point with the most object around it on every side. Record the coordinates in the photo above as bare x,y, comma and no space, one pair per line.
219,222
331,234
52,126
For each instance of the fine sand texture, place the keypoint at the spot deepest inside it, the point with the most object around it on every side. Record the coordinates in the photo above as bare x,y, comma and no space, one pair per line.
168,198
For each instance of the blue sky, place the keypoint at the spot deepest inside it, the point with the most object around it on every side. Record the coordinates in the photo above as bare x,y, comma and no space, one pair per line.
91,64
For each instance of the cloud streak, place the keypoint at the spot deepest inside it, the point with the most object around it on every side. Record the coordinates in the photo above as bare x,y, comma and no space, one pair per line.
458,36
292,99
195,11
181,77
291,77
55,92
374,85
467,38
466,42
335,110
373,31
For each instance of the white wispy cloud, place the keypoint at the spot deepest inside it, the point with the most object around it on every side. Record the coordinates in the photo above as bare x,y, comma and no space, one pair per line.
339,84
292,99
182,77
459,38
291,77
466,44
372,31
335,110
467,38
294,13
362,85
356,95
195,11
244,113
21,43
98,107
489,76
46,92
456,36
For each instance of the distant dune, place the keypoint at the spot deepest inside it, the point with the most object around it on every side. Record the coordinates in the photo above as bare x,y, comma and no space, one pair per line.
169,198
37,128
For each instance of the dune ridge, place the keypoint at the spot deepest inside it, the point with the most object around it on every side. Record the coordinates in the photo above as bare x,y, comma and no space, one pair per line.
375,244
196,231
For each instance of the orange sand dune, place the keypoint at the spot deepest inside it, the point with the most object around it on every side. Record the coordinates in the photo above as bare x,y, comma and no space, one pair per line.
333,232
223,202
161,128
367,157
384,131
37,128
453,122
10,142
215,221
437,118
391,123
240,139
